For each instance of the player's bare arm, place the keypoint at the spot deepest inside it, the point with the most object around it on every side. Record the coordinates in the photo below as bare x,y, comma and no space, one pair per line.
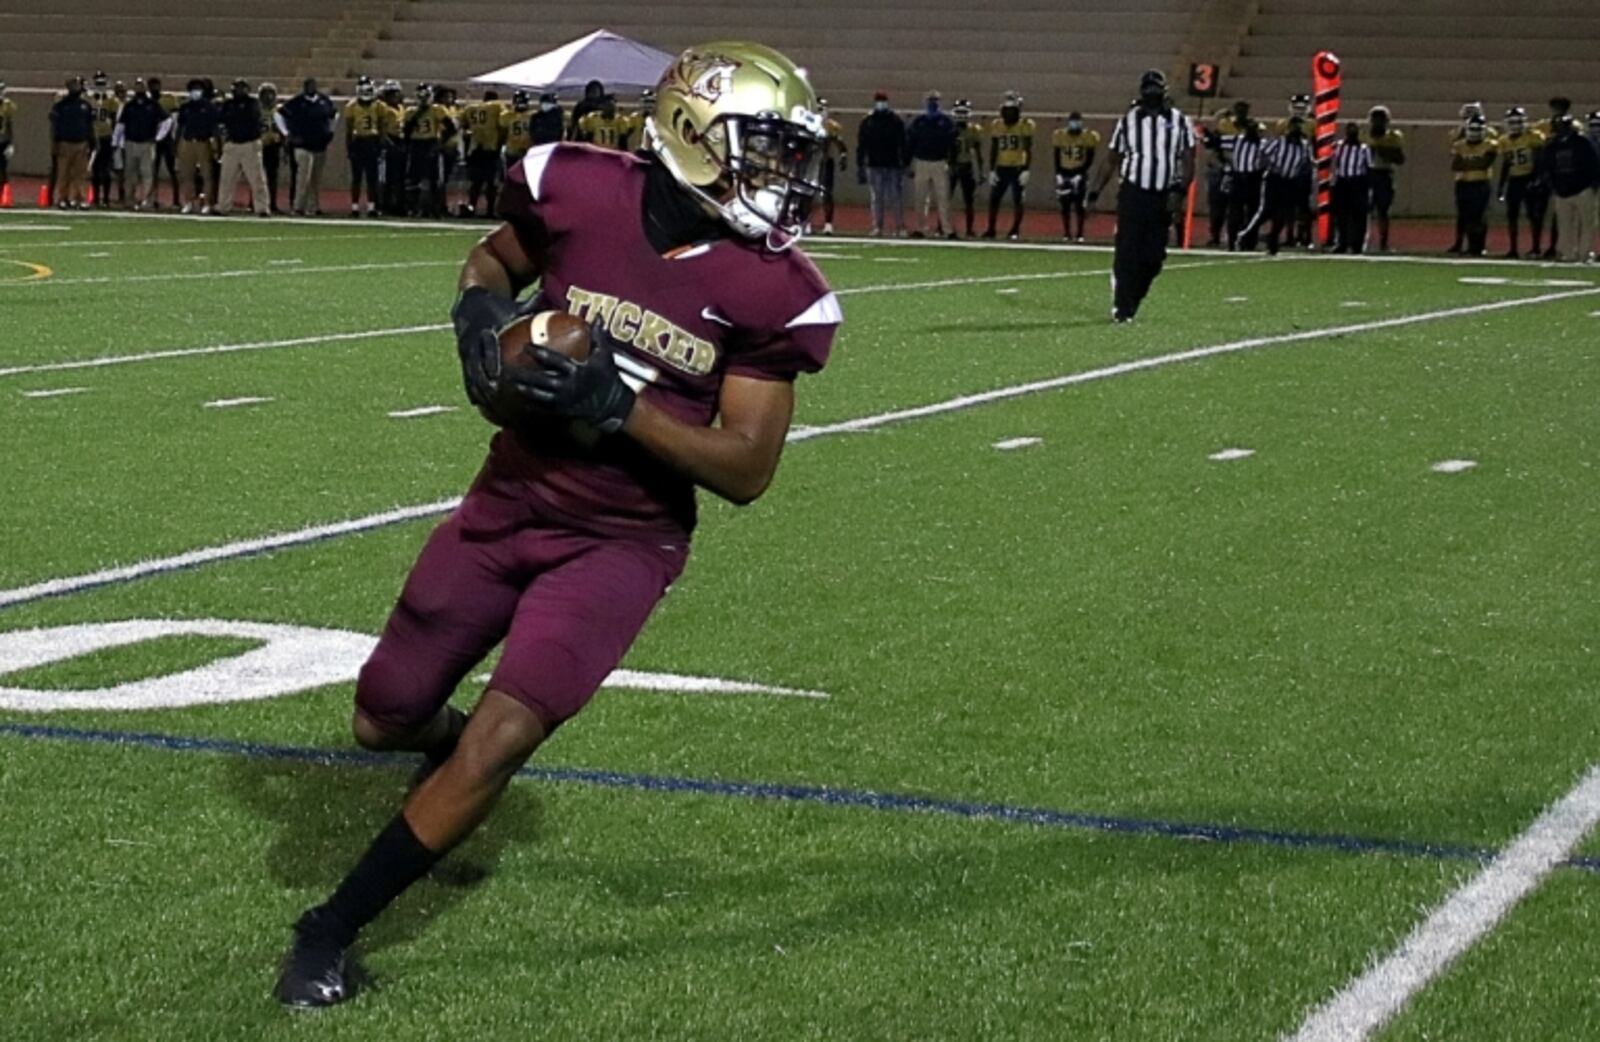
735,459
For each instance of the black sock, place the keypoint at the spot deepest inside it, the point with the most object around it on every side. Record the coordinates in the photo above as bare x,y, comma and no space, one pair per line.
440,751
396,859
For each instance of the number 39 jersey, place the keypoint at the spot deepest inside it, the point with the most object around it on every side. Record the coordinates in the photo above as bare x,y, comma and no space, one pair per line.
686,321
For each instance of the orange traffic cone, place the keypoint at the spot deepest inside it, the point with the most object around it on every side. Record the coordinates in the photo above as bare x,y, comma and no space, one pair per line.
5,196
44,197
90,197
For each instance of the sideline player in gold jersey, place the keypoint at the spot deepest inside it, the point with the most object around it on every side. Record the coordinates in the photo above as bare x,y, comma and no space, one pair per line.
1074,147
835,157
271,142
1010,156
485,135
517,125
425,125
364,118
1471,112
1472,159
966,160
1521,188
105,106
1388,147
605,127
633,122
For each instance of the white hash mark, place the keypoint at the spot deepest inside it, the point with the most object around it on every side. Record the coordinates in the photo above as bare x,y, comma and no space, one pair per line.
228,403
1231,454
1454,466
423,410
1017,443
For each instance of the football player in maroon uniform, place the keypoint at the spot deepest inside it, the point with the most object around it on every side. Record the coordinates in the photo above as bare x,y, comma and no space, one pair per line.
701,318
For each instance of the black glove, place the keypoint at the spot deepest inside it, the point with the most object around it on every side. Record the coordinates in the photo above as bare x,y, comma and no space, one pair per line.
479,315
592,390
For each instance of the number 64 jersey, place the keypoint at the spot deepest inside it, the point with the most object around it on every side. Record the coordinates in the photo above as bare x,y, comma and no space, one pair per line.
686,321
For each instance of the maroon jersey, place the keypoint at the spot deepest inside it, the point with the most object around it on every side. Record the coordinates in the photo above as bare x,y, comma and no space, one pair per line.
686,321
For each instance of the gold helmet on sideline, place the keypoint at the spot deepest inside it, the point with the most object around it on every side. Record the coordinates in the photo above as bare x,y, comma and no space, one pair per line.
738,125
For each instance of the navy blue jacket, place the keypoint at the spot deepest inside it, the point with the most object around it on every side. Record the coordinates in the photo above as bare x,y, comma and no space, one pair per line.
310,121
932,137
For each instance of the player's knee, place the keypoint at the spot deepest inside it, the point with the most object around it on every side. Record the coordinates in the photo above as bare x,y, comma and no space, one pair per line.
392,701
499,743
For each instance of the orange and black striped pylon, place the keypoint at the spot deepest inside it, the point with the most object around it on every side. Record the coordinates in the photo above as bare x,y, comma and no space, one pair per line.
1327,76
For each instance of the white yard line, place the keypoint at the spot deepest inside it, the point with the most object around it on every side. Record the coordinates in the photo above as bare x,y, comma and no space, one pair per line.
825,242
1465,917
375,235
1077,273
221,349
482,227
337,269
55,392
305,341
1157,361
227,551
1061,247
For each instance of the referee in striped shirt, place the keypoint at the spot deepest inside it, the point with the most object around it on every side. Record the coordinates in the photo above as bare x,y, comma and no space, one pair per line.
1244,205
1352,189
1288,158
1152,149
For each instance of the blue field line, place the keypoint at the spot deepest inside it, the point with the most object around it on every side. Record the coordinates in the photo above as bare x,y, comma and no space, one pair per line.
861,798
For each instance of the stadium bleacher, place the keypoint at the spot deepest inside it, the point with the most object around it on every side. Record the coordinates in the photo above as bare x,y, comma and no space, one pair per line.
1061,54
1426,60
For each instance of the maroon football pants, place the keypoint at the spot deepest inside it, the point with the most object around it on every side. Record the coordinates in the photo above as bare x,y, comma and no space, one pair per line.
567,603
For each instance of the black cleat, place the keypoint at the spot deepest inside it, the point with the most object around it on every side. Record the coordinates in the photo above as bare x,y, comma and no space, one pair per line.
316,972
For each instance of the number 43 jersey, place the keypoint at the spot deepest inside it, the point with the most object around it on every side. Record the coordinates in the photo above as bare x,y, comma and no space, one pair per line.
686,321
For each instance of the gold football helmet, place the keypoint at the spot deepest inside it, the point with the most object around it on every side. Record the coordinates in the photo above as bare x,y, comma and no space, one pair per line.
738,125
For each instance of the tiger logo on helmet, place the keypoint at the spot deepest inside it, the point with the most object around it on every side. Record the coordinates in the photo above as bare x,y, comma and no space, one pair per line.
739,126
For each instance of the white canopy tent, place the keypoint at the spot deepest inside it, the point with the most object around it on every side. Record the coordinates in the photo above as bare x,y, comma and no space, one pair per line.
623,65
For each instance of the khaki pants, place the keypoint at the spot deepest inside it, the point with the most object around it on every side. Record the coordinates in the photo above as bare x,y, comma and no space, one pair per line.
242,158
1576,216
308,192
931,185
72,165
194,157
139,166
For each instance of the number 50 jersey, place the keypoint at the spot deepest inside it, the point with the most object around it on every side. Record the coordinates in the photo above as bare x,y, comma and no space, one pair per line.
686,321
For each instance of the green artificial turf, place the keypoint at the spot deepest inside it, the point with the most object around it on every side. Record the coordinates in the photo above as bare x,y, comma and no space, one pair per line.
1326,637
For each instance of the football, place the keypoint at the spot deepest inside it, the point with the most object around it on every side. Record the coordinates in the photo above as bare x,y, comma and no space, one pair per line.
560,332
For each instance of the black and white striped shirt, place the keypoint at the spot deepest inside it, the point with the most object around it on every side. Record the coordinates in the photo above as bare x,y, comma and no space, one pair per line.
1155,147
1247,155
1287,159
1351,161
